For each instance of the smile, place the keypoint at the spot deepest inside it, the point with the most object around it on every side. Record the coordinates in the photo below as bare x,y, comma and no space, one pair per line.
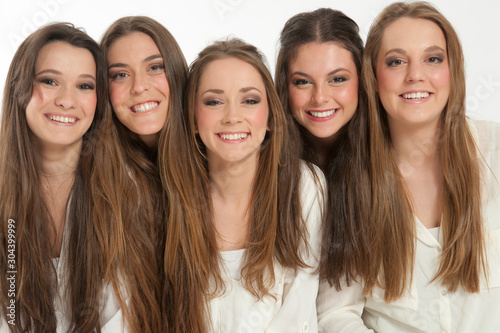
62,120
415,95
322,114
236,136
144,107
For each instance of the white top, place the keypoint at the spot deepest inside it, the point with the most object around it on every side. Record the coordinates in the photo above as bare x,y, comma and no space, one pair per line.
429,307
293,309
111,317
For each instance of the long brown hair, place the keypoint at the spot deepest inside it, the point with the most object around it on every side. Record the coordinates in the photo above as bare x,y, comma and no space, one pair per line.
192,273
102,235
393,227
345,243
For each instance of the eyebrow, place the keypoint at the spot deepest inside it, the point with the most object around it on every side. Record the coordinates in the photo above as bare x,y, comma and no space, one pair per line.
56,72
335,71
247,89
432,48
220,91
122,65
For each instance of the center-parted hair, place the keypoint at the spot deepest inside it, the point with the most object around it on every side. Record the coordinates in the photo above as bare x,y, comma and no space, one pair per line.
192,271
345,242
393,222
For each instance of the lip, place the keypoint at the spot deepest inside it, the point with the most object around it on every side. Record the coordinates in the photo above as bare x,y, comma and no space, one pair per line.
224,136
322,119
50,117
148,107
417,100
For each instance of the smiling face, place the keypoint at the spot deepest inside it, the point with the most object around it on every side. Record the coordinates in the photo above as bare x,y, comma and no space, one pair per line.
63,103
323,88
231,111
412,71
138,86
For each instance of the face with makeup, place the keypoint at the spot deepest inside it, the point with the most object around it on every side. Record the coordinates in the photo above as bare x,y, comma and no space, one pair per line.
413,74
63,102
323,88
138,86
231,111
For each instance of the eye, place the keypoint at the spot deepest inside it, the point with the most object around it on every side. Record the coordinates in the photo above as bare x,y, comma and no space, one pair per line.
300,82
251,101
47,81
86,86
119,76
157,68
212,102
338,79
435,60
394,62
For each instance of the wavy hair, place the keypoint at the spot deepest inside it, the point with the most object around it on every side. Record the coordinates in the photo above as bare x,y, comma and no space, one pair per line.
192,272
392,257
345,242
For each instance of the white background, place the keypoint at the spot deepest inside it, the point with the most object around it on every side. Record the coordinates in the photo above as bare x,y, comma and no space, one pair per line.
196,23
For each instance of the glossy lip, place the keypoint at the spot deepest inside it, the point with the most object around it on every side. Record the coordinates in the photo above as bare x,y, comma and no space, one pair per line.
47,115
317,119
416,101
218,135
145,113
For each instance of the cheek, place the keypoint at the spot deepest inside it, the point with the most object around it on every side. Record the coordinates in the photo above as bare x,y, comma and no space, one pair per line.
117,94
163,86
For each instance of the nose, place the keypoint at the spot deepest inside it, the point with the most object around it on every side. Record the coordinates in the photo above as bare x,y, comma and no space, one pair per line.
66,98
231,114
140,84
320,94
415,72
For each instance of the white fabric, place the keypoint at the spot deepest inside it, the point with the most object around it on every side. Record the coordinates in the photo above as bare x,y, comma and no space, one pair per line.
111,317
428,307
293,309
233,263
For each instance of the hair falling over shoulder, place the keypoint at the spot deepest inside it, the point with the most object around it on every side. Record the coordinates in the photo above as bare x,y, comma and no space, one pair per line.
392,225
109,232
345,239
192,273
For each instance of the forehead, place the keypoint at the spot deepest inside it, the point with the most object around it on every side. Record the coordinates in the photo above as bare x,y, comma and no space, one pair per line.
60,54
231,71
133,44
408,31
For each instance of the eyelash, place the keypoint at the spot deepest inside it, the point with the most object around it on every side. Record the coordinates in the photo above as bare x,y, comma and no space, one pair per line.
157,67
118,76
51,82
252,101
211,102
397,62
47,81
338,79
86,86
300,82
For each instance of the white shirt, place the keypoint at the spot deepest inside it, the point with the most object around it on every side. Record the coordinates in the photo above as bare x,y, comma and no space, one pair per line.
111,317
429,307
294,306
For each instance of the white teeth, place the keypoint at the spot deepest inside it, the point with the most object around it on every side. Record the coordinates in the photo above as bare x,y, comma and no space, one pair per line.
322,114
64,120
144,107
237,136
417,95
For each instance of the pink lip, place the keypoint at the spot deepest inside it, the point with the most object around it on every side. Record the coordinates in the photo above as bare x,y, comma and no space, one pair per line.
322,119
55,122
232,141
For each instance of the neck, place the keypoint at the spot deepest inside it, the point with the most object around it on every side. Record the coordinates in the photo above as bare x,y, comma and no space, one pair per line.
232,180
151,140
58,160
323,148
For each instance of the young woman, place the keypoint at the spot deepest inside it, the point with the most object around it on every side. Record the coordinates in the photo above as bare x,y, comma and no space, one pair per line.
318,78
63,185
434,222
147,73
242,238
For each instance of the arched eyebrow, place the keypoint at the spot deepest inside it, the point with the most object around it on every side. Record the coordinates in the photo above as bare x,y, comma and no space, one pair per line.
432,48
335,71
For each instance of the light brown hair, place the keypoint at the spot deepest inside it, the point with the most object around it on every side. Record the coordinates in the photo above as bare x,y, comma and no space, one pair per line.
393,227
192,270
